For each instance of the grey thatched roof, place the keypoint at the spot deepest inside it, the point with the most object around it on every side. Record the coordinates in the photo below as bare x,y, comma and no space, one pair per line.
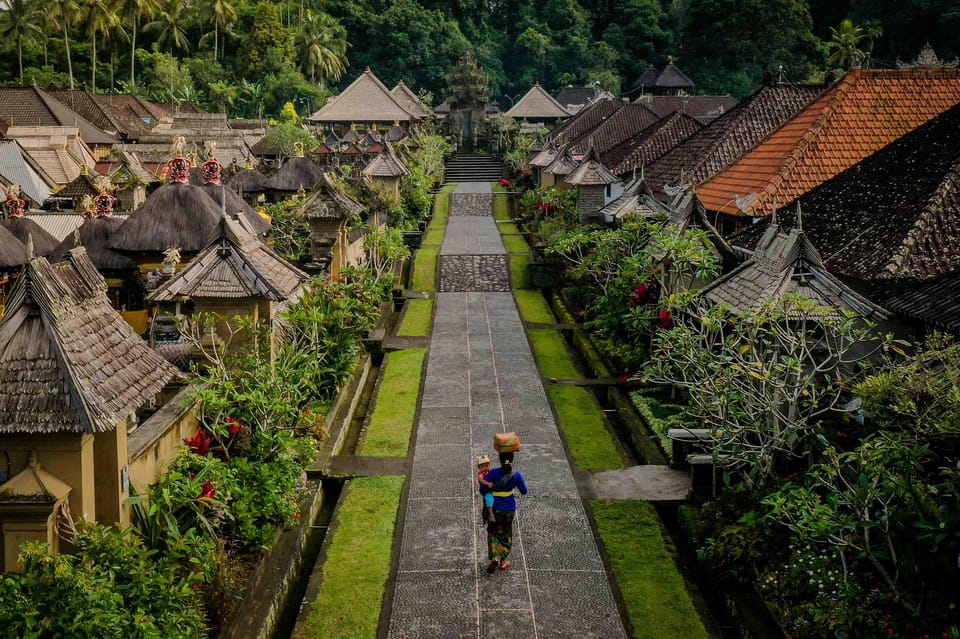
176,214
294,174
68,361
538,104
248,180
562,165
235,264
22,227
225,198
12,251
385,164
365,100
785,264
327,202
94,235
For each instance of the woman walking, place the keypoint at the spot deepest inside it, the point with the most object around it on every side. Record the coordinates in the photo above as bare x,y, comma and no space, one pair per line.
500,530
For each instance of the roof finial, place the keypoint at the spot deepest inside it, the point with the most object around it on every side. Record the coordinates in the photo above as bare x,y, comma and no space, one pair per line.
799,218
31,253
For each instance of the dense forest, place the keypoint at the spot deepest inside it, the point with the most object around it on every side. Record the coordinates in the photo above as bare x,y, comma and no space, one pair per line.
248,59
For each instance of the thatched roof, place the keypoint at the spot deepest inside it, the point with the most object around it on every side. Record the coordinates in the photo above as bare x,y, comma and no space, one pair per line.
365,100
235,264
94,235
294,174
385,164
248,180
176,214
591,172
21,228
409,100
68,361
327,202
539,105
13,252
226,199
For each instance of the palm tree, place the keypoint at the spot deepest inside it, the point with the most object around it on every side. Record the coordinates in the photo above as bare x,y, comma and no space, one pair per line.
134,12
844,44
322,43
65,13
224,15
171,26
19,21
101,17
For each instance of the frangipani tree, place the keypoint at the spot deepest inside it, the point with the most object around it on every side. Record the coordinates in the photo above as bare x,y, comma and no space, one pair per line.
762,381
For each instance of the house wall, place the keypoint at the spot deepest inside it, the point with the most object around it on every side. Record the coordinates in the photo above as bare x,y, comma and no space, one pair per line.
156,442
111,479
589,199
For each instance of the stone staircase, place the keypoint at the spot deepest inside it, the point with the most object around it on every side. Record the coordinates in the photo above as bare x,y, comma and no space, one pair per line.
473,168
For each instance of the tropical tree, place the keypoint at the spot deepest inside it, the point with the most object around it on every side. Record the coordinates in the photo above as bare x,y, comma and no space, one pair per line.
65,13
322,44
844,45
101,17
171,27
17,23
224,14
134,12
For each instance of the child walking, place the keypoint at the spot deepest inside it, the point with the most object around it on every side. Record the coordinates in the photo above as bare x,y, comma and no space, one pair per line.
483,467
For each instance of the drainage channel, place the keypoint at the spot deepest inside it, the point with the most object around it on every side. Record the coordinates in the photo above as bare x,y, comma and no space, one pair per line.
287,618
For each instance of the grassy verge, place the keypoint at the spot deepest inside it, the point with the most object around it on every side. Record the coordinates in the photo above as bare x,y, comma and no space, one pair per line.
533,307
501,206
584,428
657,601
435,233
358,562
388,434
518,271
417,319
551,353
425,268
514,243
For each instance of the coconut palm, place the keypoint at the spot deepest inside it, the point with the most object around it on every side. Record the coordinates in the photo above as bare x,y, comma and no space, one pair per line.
134,12
171,26
101,18
17,23
66,14
224,14
844,44
322,43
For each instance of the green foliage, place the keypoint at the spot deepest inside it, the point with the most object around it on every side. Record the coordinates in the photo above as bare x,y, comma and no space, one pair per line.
112,587
268,47
290,234
394,414
425,158
584,428
640,555
357,565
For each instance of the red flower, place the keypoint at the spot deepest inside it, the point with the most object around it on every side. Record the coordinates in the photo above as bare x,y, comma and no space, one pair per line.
504,182
665,320
234,425
199,443
207,491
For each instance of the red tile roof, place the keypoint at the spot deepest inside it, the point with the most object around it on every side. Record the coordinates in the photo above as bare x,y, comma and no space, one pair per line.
865,111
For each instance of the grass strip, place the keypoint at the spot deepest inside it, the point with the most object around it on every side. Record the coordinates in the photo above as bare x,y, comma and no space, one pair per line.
434,235
518,271
515,243
390,427
551,354
357,565
533,307
584,428
417,318
654,593
501,203
425,268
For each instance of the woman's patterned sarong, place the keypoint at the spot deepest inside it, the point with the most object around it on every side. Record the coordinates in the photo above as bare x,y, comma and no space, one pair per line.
500,534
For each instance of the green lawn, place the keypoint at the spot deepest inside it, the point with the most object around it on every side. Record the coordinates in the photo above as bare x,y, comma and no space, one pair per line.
657,601
357,563
533,307
514,243
551,354
518,271
581,419
417,318
435,233
425,268
501,207
390,427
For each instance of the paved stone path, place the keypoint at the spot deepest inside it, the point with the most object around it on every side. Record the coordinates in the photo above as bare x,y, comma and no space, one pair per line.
481,379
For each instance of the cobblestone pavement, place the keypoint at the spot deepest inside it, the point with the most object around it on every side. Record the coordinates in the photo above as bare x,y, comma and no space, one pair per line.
481,379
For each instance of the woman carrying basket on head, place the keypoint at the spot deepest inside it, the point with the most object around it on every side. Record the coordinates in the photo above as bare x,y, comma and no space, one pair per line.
505,480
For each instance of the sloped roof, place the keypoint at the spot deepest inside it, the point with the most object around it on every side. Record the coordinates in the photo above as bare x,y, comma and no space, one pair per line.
584,121
15,168
705,108
176,214
61,224
24,227
126,162
538,104
591,172
68,361
866,110
385,164
934,301
673,78
628,121
294,174
365,100
31,107
575,98
12,251
35,485
896,213
787,264
249,180
328,202
94,235
115,114
651,143
79,186
562,165
647,79
636,203
409,100
235,264
728,137
227,199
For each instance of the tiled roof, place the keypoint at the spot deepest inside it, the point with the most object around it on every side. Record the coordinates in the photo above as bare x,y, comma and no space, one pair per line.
650,144
68,361
409,100
538,104
866,110
575,98
124,115
728,137
365,100
31,107
584,121
787,264
896,213
935,301
235,264
630,120
591,172
705,108
562,165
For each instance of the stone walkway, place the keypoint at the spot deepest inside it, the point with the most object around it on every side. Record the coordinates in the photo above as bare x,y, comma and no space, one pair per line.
481,379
